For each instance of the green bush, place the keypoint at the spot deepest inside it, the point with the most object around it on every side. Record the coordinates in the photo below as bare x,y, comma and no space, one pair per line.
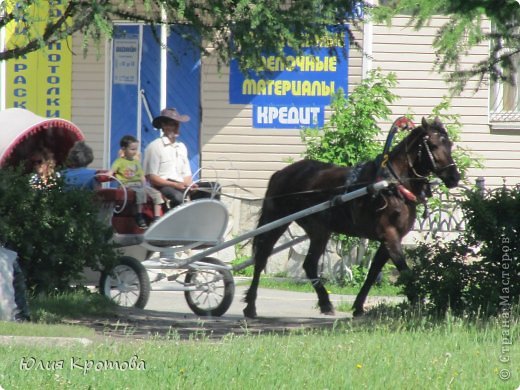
479,273
351,135
55,232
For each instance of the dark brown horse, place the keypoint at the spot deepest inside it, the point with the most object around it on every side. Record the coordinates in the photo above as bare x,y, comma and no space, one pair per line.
385,217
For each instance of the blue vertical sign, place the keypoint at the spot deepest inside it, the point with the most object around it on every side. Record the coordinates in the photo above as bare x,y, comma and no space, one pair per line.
294,90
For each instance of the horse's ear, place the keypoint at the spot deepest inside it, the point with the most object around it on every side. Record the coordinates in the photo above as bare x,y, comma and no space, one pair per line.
424,122
438,122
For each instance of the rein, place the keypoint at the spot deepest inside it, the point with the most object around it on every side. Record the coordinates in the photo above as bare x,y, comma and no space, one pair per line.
385,165
404,123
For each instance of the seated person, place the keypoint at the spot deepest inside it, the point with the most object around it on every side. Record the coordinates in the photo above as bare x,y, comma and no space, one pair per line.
166,163
127,169
76,174
44,168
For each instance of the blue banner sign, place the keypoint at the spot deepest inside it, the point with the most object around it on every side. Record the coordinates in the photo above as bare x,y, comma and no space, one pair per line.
294,89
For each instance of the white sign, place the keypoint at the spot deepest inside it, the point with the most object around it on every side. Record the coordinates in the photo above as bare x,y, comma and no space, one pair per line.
126,61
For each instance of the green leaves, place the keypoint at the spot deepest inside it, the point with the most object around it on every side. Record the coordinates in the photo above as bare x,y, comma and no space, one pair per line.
467,27
239,29
56,233
351,135
479,273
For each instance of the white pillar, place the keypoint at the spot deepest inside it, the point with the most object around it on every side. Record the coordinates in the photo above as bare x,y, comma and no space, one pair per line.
164,57
368,35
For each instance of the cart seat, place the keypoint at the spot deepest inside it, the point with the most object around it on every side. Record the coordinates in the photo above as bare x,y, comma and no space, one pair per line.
202,221
118,209
118,197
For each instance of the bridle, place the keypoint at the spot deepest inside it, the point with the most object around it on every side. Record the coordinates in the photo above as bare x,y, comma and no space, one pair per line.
431,157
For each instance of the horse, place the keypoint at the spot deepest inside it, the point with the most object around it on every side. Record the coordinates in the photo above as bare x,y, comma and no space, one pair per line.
385,217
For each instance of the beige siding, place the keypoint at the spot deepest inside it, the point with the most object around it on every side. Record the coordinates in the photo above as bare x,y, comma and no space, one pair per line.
88,97
235,153
409,54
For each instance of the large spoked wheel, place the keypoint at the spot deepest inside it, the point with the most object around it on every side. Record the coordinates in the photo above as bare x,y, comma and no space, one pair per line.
127,284
214,292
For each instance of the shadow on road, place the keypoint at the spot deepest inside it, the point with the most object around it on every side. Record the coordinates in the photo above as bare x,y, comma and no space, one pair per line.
148,324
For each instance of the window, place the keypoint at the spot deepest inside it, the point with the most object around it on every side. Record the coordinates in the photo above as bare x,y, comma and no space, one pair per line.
505,99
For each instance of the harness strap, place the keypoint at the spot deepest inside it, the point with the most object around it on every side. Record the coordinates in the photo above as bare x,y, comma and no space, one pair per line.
432,158
353,177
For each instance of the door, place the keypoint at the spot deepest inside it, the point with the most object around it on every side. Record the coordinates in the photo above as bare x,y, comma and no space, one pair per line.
138,80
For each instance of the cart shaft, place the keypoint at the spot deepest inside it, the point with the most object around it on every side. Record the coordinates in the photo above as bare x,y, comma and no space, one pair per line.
373,188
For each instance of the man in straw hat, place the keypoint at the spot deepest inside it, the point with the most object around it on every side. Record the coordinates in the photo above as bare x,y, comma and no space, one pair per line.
166,163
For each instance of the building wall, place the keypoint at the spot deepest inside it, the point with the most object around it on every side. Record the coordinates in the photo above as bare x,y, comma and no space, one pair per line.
238,155
235,153
89,97
409,54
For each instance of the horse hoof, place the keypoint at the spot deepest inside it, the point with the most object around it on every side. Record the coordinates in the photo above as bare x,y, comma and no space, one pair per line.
358,312
328,311
248,313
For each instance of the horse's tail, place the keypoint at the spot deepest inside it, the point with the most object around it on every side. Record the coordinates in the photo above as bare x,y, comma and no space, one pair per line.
268,213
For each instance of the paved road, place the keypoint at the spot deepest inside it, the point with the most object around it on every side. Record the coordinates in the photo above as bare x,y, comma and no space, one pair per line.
168,315
270,303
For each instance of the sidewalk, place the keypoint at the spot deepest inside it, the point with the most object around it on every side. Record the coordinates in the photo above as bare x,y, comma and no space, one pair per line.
168,315
270,303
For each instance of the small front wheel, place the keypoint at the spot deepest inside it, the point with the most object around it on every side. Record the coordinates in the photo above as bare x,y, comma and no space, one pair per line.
127,284
214,289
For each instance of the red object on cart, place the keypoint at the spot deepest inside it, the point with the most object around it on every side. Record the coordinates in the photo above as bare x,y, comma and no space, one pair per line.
21,131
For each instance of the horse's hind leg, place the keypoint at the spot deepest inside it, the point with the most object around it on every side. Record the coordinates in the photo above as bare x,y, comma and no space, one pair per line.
263,246
310,265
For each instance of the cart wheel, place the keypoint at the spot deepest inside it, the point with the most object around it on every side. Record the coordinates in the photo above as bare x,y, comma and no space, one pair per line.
127,284
215,289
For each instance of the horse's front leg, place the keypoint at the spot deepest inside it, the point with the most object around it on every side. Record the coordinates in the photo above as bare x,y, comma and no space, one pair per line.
379,260
390,248
310,265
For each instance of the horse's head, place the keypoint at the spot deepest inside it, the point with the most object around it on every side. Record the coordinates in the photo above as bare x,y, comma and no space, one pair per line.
434,152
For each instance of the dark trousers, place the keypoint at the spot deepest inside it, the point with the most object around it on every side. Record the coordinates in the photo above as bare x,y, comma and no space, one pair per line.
207,190
20,295
174,195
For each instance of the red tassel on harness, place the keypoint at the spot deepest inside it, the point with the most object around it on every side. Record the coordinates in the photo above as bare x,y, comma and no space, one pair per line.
407,193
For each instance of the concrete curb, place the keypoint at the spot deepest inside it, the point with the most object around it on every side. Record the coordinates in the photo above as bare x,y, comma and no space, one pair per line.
44,341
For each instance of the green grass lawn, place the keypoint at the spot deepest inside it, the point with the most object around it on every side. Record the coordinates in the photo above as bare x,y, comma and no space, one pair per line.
360,354
52,309
392,347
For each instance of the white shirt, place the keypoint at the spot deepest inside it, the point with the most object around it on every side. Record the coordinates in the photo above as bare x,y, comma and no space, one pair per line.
166,159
